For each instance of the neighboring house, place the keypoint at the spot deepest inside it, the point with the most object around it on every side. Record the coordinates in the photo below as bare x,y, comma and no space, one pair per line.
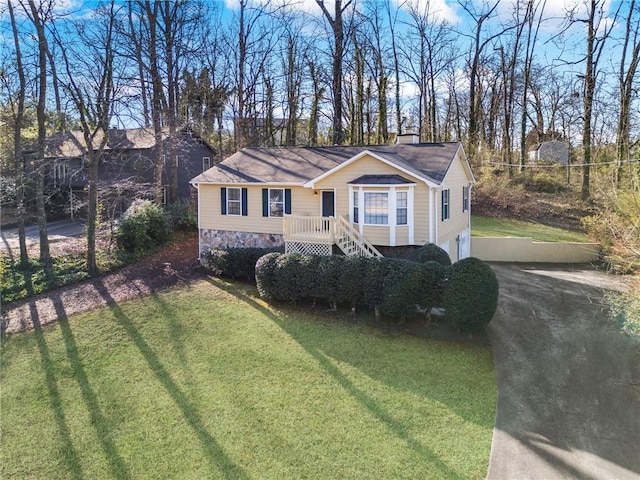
129,156
355,197
552,151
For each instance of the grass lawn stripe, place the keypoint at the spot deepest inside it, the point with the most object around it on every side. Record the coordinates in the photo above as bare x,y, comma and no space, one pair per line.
210,382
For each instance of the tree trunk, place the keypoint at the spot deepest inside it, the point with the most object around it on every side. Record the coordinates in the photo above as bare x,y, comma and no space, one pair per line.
137,51
337,26
156,100
45,256
626,77
17,141
169,17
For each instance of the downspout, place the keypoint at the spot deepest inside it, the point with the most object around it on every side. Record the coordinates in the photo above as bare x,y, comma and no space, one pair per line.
392,216
197,185
432,213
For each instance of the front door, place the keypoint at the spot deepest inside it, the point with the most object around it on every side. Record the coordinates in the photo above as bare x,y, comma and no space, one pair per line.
328,203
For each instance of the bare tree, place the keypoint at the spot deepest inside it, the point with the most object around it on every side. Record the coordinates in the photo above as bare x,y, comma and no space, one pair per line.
531,11
396,63
38,16
598,32
626,75
427,51
252,44
317,79
337,27
378,48
17,138
294,50
90,85
478,45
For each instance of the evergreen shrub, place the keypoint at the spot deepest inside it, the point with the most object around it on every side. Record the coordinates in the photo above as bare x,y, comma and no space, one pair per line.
433,253
470,297
182,217
143,227
395,288
267,275
236,263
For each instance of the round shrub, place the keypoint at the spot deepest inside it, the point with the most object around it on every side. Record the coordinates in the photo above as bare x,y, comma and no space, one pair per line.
470,296
429,280
418,290
433,253
267,276
292,277
143,227
401,289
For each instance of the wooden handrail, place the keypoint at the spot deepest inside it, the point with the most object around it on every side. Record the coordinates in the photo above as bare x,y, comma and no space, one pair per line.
327,230
363,245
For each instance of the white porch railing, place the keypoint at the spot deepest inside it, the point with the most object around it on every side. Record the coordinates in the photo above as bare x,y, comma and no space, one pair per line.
317,235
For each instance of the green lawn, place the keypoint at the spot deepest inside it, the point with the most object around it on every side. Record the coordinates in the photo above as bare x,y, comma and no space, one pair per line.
210,382
502,227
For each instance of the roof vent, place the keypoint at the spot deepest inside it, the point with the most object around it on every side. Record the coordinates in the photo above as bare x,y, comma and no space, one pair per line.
407,138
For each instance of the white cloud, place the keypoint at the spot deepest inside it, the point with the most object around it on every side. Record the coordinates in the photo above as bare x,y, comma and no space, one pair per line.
439,10
308,6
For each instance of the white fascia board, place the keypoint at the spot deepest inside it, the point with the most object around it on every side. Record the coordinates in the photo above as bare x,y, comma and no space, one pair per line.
383,185
253,184
465,163
312,182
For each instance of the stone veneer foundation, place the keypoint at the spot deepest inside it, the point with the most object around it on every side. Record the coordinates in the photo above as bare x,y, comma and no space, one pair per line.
228,239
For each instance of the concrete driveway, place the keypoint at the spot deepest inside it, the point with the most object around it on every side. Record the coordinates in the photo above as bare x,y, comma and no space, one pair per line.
568,380
58,230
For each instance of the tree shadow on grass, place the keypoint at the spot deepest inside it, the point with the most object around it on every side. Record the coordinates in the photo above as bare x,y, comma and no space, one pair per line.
219,459
396,427
98,420
70,453
176,332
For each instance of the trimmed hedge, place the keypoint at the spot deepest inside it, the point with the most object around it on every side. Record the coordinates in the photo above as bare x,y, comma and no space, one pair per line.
392,287
396,289
433,253
236,263
470,297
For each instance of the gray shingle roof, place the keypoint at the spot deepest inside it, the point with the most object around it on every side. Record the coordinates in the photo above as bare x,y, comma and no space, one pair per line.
297,165
72,144
380,180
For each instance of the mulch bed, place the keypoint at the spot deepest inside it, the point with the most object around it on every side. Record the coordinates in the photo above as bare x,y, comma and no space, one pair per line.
175,265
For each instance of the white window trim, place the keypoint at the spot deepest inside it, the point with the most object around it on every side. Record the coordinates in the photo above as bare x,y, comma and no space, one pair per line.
352,205
466,198
448,203
239,201
270,202
392,191
208,162
397,207
364,209
59,171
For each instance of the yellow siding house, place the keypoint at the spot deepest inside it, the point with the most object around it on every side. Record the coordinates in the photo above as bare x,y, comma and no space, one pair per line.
312,199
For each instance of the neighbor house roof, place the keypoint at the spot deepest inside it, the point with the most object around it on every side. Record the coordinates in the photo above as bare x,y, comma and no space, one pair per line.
300,165
72,144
